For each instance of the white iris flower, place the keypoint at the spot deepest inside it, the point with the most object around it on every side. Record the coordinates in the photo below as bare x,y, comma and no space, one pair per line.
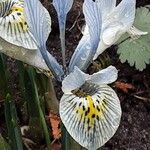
116,20
16,40
89,108
24,30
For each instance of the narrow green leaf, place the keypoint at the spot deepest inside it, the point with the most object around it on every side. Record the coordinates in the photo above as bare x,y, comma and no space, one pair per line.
41,115
14,132
3,144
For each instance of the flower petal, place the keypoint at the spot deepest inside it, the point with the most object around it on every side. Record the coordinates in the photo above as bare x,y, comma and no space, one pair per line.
93,120
39,20
106,7
124,13
73,81
105,76
33,57
62,7
86,49
13,25
116,23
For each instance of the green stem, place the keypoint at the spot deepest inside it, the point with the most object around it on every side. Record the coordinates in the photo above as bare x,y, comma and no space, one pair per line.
41,115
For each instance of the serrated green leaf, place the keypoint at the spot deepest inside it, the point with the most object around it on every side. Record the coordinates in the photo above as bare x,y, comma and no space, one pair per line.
137,51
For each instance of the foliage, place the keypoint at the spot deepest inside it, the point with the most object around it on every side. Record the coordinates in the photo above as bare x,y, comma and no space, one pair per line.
137,51
3,144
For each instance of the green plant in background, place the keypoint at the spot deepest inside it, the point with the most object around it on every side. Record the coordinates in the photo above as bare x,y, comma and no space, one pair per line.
136,50
89,109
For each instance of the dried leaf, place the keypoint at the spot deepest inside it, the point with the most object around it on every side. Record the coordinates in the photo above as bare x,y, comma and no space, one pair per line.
125,87
55,123
56,146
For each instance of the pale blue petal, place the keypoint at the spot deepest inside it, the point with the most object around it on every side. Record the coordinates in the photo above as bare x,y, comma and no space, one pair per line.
125,13
62,6
39,22
82,54
106,6
73,81
86,49
105,76
117,23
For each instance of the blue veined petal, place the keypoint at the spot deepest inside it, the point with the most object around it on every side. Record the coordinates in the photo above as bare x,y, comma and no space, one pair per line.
125,13
73,81
62,6
106,6
86,49
91,120
39,22
105,76
117,23
81,56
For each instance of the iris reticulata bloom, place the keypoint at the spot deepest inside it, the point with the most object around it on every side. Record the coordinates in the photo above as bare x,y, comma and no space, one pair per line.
89,108
16,40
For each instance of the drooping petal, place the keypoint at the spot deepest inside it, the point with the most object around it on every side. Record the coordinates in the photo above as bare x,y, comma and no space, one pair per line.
86,49
91,120
39,22
31,57
105,76
73,81
13,25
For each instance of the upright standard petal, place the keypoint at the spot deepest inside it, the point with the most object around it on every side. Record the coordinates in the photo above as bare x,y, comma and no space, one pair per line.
13,25
106,7
39,22
118,21
86,49
73,81
62,7
105,76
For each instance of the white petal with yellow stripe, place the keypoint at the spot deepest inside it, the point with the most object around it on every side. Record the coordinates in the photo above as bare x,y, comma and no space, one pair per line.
13,25
91,113
16,40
